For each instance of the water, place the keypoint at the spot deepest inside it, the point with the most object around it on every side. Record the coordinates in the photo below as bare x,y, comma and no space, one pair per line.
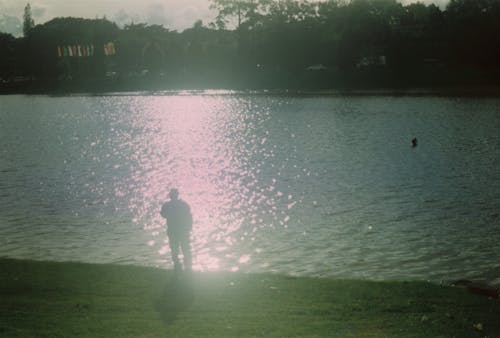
315,186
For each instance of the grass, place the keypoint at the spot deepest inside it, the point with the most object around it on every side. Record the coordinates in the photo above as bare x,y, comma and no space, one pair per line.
47,299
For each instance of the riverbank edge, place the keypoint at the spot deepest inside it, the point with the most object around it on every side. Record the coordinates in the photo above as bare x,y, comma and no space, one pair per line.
100,88
88,300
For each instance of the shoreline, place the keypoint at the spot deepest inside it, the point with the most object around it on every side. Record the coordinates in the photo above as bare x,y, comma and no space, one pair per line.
77,299
109,88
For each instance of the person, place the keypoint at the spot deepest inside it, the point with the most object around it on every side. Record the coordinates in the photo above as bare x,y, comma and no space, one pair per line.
414,142
179,226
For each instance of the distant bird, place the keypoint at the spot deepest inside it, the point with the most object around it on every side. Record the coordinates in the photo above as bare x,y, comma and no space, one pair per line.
414,142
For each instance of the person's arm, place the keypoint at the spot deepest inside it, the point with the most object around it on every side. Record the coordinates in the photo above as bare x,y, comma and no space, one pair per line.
190,218
163,211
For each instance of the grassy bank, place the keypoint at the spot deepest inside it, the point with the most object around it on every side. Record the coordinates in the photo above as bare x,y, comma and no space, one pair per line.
72,299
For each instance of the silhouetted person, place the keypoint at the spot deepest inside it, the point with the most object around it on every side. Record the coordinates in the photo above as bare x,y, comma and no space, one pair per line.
414,142
179,225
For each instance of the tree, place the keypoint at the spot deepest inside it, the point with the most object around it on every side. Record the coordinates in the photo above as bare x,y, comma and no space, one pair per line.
7,55
474,31
28,22
241,10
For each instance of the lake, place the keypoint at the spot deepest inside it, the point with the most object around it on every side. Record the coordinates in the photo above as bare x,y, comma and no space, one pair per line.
303,185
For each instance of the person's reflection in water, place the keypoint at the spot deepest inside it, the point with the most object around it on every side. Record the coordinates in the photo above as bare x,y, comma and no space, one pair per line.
179,225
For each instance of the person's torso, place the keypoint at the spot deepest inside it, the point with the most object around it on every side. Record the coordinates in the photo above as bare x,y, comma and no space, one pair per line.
178,215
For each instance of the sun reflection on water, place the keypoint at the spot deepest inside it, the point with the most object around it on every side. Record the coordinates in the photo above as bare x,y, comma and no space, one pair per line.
209,149
314,186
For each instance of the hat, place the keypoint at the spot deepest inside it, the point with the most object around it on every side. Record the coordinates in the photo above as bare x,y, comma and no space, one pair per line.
174,193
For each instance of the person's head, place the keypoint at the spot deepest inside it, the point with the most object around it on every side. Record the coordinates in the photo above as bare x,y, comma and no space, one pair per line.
173,194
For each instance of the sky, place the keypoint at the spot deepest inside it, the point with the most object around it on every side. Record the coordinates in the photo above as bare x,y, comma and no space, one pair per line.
173,14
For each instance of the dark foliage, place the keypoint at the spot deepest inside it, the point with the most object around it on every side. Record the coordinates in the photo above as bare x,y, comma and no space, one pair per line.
276,44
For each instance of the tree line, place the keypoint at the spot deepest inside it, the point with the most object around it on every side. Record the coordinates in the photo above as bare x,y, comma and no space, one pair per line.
272,44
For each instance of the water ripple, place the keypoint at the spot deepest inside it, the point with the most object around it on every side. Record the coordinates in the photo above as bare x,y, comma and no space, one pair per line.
321,186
